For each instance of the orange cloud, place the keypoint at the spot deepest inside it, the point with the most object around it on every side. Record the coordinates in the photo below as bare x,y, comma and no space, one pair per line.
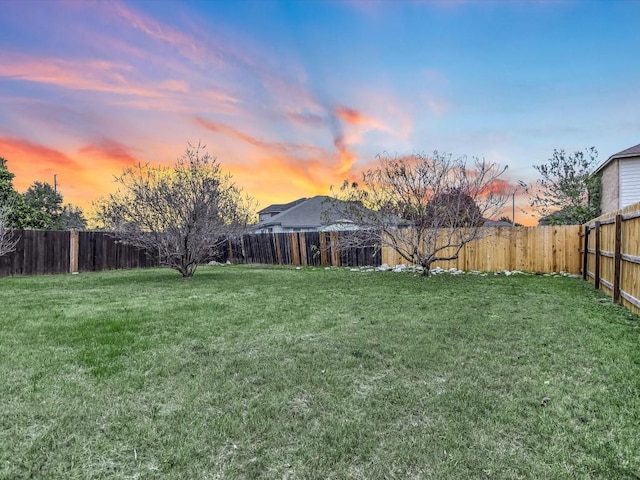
109,152
289,168
82,175
301,164
352,116
501,187
346,158
32,162
24,155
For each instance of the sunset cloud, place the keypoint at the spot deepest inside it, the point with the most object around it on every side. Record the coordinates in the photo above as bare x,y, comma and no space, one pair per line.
351,116
116,154
32,162
82,174
21,154
294,99
272,147
99,76
502,187
346,157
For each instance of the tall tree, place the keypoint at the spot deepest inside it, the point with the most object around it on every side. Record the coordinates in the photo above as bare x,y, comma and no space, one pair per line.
46,204
39,207
425,207
15,213
72,218
7,192
182,214
566,192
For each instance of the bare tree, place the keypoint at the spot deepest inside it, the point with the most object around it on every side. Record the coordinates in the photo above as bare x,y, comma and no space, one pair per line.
8,240
182,214
426,208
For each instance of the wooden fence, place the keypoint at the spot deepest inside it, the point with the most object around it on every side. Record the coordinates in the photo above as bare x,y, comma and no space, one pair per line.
37,252
611,255
306,248
101,251
48,252
532,249
536,249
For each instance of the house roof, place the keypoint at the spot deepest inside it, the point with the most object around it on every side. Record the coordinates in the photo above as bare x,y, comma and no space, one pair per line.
629,152
281,207
497,223
309,213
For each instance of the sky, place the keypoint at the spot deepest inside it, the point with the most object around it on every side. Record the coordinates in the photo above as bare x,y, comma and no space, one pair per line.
293,97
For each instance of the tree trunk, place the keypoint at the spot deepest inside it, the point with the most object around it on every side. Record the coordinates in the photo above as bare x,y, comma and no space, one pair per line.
425,270
187,270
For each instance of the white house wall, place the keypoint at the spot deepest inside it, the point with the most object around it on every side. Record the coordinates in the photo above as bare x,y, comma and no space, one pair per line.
629,181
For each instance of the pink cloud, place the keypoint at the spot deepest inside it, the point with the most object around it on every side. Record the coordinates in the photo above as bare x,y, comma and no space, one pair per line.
94,75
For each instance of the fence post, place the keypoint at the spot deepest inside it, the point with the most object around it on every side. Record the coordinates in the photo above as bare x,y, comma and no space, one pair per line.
596,283
74,250
617,260
278,248
324,250
585,258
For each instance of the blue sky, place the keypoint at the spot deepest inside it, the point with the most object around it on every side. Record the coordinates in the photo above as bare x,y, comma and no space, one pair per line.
295,96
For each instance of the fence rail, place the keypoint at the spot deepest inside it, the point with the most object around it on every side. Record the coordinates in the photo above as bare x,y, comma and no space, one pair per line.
611,255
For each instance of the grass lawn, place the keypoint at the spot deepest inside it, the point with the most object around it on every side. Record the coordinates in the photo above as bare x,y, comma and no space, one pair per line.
258,372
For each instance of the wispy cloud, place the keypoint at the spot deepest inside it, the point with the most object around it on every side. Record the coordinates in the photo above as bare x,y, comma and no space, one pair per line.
187,45
273,147
93,75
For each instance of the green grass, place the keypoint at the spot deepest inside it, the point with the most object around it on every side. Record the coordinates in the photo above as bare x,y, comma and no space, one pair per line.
255,372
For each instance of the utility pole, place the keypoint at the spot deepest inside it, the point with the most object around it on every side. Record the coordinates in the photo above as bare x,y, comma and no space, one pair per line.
55,182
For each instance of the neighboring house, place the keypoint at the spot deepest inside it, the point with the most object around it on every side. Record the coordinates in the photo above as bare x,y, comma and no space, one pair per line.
497,223
303,215
276,208
620,179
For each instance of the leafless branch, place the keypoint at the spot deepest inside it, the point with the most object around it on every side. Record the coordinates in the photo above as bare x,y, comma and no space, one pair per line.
8,240
426,208
182,214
